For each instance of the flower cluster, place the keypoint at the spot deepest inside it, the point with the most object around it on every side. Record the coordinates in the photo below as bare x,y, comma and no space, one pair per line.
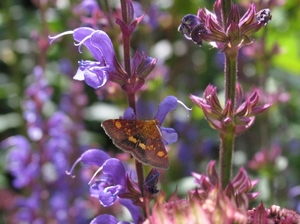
274,214
237,190
209,203
115,184
241,116
107,67
43,159
236,31
108,187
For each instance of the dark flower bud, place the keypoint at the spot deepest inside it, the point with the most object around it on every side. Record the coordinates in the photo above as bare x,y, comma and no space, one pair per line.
208,26
191,27
264,16
188,23
150,185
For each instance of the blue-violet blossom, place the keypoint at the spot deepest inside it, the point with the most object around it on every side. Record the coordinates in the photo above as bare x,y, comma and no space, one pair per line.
106,67
168,104
112,181
20,161
95,73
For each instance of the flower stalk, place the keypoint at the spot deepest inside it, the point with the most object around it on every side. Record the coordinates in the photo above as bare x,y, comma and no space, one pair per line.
227,138
226,152
127,17
227,31
230,74
126,40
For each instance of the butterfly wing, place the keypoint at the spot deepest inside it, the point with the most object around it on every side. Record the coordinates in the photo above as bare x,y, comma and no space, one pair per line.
140,138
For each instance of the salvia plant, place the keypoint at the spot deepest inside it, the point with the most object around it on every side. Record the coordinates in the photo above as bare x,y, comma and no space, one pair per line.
66,180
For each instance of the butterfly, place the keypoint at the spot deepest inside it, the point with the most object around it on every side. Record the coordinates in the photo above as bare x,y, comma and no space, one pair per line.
141,138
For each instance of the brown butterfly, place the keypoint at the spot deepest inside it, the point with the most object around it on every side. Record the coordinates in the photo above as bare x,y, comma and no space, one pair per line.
141,138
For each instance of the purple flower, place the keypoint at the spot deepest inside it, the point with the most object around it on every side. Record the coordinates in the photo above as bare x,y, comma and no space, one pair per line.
169,135
39,165
39,90
89,6
59,205
112,181
150,185
106,67
95,73
20,162
28,207
37,94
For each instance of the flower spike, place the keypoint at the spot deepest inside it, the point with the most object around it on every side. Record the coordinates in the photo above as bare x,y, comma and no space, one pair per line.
242,116
208,26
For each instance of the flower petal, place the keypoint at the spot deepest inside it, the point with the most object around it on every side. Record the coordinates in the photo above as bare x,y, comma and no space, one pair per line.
94,157
169,135
115,168
84,32
108,196
168,104
80,33
249,17
95,77
79,76
101,41
129,114
20,146
108,219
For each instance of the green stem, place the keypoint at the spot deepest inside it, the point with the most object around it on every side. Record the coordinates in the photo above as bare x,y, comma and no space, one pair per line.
227,136
230,71
226,153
